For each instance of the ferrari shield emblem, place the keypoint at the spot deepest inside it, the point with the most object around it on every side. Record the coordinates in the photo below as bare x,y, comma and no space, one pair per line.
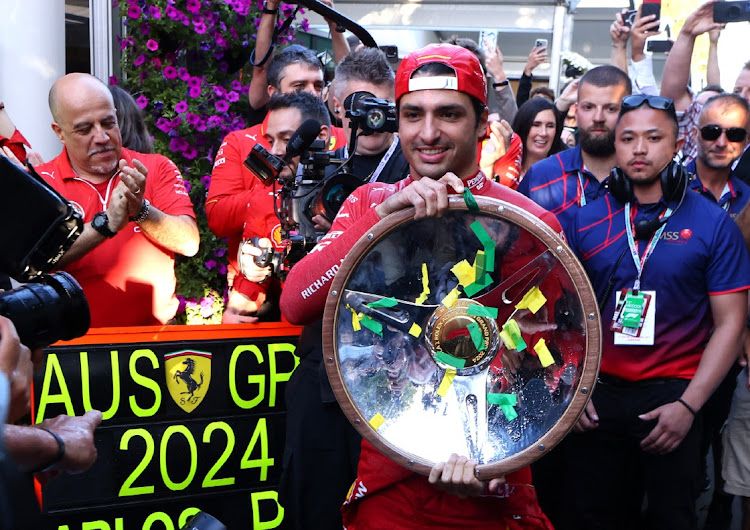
188,376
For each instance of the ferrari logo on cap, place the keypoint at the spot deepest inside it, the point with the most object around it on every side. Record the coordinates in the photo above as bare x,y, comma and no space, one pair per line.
188,377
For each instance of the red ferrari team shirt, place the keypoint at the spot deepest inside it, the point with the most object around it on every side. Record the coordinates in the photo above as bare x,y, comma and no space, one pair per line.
128,280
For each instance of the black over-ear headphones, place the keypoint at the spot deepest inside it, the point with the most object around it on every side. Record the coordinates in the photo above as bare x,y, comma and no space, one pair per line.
674,182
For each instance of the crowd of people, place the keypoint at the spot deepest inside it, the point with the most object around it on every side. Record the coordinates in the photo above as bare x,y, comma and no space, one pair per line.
648,184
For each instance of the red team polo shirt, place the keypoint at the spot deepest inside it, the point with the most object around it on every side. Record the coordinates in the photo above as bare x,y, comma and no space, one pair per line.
128,280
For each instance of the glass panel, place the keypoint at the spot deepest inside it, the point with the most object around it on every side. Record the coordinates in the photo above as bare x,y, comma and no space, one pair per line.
403,371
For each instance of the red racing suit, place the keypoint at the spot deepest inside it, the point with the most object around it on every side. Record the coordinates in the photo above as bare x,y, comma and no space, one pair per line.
386,495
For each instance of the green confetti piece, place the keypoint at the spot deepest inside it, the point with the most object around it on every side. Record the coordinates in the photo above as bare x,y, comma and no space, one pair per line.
471,202
445,358
482,311
373,325
477,286
487,243
479,263
476,336
506,402
383,302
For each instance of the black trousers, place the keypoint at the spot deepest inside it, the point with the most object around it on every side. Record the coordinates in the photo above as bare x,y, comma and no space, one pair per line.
321,452
609,475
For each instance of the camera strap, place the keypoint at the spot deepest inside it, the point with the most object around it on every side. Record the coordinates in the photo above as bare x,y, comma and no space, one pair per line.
383,161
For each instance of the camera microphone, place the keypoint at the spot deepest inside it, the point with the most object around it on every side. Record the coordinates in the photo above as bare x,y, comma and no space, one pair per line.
302,139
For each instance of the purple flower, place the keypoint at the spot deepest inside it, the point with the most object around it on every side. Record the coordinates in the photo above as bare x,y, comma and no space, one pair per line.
188,186
154,11
184,19
190,152
158,105
208,301
210,264
113,80
206,180
142,101
194,92
152,45
223,66
145,28
221,105
194,82
221,269
139,60
175,122
215,121
126,42
172,13
178,144
183,74
156,62
183,303
205,45
221,42
170,72
219,91
134,11
182,106
305,25
233,96
220,252
191,302
191,118
194,6
201,125
200,28
163,124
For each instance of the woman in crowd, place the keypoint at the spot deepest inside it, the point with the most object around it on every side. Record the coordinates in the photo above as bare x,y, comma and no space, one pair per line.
135,135
538,124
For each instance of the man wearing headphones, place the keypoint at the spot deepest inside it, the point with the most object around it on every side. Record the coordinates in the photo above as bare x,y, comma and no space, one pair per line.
671,274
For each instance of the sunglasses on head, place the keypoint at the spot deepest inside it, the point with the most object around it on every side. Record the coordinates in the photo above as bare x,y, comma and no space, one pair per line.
655,102
713,132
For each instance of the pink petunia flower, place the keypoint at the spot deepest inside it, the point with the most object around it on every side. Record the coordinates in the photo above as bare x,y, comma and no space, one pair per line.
152,45
139,60
142,101
182,106
134,11
170,72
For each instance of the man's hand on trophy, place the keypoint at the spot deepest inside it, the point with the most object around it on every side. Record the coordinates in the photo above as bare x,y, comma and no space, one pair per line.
457,476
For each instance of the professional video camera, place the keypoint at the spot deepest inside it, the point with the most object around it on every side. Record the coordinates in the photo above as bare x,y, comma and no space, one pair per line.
52,307
319,190
370,114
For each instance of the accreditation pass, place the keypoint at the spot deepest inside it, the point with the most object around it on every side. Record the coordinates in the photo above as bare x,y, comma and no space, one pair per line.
644,334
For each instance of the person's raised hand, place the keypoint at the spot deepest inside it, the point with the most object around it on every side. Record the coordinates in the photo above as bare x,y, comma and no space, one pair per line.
248,252
701,20
619,32
642,29
536,57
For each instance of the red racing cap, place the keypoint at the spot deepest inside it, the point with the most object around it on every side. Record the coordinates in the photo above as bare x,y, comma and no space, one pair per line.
469,76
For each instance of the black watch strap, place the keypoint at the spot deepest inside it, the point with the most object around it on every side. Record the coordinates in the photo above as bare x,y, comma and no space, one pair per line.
500,84
100,223
269,11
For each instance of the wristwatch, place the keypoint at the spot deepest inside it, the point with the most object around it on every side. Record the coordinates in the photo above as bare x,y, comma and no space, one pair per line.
268,11
100,223
142,214
500,84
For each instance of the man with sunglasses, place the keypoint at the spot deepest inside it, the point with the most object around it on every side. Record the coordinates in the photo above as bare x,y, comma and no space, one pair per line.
678,272
721,137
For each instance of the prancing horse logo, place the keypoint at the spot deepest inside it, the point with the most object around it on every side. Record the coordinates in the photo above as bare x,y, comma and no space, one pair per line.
188,377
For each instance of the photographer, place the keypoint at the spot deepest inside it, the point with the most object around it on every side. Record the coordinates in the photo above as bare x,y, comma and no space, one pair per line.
255,293
320,441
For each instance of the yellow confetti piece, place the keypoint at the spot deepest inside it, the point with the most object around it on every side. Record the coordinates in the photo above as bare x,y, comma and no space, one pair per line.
451,297
479,262
415,330
509,344
545,357
425,286
514,332
446,383
356,318
376,421
464,272
532,300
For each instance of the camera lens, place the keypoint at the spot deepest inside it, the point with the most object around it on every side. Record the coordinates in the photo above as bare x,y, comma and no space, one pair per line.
375,119
44,313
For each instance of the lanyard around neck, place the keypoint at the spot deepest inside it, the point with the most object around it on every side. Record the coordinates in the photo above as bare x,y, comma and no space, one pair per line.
640,262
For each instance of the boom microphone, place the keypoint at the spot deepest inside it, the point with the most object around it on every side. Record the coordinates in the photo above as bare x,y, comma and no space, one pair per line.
302,139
